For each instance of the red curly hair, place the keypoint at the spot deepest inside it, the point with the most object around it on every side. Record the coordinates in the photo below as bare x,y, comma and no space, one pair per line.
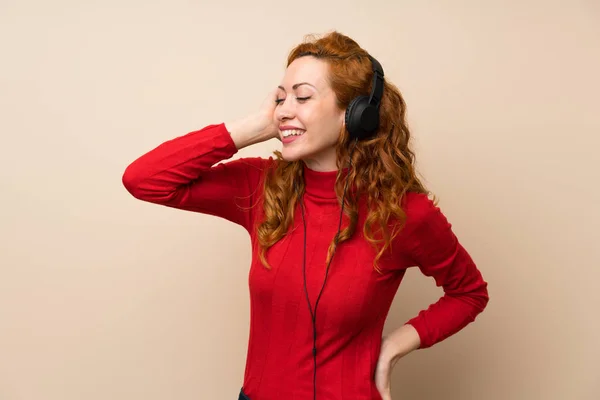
383,166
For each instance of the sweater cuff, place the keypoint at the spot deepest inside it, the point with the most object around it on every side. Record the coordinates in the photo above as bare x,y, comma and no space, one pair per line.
224,139
419,324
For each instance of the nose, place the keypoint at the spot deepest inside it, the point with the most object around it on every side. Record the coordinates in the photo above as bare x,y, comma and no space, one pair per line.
285,110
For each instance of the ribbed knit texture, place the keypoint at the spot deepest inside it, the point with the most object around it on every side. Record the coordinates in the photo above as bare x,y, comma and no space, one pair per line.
190,172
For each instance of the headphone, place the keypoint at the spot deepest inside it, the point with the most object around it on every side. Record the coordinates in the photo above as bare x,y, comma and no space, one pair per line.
362,114
362,121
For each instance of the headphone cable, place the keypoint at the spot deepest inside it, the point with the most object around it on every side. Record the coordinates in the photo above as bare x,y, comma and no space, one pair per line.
314,314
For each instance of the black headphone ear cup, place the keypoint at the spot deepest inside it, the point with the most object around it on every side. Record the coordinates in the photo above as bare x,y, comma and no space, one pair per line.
354,116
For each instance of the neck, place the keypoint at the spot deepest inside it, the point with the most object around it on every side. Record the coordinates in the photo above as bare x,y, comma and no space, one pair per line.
325,161
321,184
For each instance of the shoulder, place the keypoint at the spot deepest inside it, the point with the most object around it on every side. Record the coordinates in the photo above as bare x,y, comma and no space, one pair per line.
418,207
423,216
426,238
253,168
256,165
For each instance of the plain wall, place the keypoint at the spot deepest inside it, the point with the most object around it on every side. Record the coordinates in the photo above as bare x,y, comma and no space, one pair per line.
105,297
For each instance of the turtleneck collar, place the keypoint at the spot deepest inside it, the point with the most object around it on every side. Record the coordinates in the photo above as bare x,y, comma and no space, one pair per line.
321,184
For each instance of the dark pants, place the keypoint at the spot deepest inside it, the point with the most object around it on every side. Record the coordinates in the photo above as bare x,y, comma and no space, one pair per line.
243,395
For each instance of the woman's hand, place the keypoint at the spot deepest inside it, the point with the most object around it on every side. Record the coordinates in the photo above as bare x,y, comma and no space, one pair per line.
393,347
257,127
383,375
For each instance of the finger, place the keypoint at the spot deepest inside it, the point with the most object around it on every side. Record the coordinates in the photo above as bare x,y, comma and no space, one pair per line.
273,96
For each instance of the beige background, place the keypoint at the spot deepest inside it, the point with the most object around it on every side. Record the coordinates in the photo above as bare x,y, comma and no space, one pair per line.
105,297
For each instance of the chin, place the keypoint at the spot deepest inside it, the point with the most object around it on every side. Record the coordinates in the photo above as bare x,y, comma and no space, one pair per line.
291,154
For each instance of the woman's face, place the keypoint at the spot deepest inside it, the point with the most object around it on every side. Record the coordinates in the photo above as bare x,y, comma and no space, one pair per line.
307,114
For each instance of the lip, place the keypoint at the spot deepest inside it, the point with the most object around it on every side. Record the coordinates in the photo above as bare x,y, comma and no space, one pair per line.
290,139
288,127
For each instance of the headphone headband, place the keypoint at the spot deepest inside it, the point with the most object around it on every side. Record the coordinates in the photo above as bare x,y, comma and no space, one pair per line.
377,84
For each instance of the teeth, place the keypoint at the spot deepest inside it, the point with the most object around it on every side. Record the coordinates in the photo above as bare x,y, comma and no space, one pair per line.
292,132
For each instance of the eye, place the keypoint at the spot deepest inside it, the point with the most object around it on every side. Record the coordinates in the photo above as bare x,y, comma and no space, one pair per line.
299,99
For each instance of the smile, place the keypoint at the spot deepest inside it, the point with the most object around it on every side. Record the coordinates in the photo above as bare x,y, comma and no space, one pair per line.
290,135
292,132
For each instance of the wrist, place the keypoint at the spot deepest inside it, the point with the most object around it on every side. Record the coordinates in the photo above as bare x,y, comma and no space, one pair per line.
239,132
400,343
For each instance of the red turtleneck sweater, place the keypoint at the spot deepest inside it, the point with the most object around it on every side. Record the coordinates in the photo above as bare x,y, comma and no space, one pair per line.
187,173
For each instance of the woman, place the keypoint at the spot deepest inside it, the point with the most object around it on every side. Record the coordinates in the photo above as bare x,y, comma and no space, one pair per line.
335,220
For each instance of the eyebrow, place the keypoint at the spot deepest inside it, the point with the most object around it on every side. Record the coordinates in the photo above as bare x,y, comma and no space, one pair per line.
297,85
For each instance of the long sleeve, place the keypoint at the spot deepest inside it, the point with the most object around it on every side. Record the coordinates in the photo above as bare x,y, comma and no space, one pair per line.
435,249
183,173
